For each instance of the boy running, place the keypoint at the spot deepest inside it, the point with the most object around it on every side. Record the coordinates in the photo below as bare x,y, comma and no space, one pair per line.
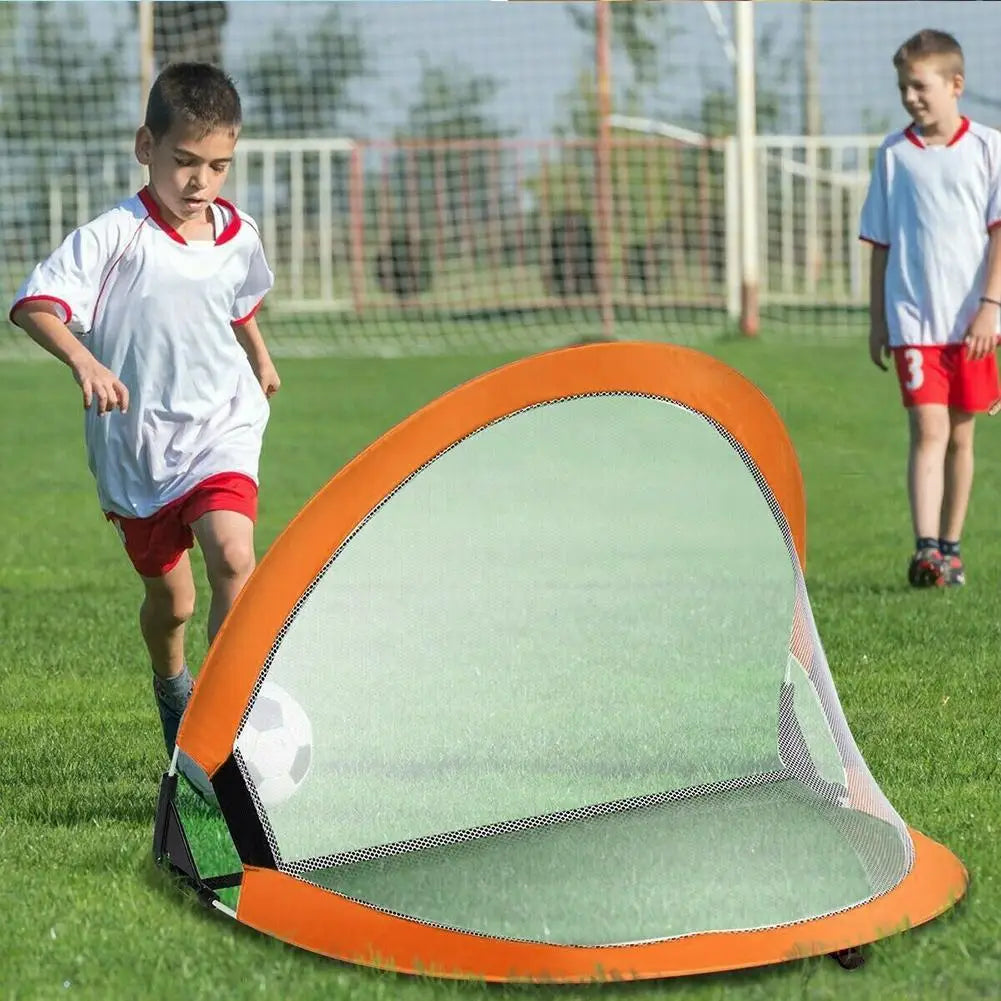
151,305
932,215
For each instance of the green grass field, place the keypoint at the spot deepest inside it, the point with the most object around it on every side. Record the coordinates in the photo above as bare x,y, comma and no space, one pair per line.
86,914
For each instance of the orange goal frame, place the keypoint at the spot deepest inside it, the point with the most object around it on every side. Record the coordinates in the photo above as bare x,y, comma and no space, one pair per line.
326,922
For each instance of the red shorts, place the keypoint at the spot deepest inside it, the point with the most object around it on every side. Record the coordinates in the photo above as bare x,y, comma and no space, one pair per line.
156,544
943,374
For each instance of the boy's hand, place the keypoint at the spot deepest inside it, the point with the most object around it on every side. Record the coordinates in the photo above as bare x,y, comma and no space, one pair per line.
249,336
101,386
982,336
879,346
267,376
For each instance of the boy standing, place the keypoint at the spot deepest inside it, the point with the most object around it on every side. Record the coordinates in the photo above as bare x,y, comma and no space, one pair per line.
152,306
932,215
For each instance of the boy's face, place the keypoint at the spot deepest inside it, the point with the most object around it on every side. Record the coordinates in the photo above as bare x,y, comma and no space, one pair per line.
186,172
930,93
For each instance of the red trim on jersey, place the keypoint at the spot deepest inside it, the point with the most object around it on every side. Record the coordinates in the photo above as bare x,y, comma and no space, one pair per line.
914,136
110,271
249,316
232,227
964,127
991,226
875,243
146,197
41,298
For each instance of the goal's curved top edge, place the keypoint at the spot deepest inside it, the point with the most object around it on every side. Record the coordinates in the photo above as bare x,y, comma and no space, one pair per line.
689,377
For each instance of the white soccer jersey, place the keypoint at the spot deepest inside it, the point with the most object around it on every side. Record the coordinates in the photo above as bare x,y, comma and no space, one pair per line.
933,207
157,311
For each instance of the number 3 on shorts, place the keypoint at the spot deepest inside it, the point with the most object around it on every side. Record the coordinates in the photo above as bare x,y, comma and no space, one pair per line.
915,370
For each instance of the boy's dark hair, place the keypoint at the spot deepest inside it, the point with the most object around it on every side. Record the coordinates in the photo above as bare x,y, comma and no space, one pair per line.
931,44
200,95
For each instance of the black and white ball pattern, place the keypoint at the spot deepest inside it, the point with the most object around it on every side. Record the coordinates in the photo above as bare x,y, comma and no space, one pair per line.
276,745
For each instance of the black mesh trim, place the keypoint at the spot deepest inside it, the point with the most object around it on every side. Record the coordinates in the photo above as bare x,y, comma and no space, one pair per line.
301,866
795,753
251,841
305,877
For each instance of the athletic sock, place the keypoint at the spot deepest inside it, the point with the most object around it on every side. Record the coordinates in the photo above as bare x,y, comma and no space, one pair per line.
174,692
923,542
948,548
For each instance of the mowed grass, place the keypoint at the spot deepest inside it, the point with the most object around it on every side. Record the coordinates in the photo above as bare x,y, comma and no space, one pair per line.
84,912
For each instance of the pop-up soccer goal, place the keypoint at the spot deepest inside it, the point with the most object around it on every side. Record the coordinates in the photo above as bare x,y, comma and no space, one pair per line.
571,717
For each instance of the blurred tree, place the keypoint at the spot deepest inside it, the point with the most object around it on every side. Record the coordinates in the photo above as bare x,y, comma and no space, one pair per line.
718,109
59,88
641,36
774,113
668,196
298,82
185,32
59,84
875,123
8,46
641,32
458,194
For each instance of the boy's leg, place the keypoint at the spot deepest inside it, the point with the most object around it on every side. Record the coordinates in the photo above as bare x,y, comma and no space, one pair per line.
168,604
929,440
958,474
973,388
924,377
157,547
227,542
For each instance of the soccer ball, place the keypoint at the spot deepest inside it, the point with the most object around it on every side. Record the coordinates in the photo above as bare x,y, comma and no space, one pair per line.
276,745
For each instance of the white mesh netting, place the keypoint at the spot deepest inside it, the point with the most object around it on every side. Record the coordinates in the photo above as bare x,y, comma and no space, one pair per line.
564,685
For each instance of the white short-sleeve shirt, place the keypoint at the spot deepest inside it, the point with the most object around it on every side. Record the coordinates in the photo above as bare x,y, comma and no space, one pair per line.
158,312
933,208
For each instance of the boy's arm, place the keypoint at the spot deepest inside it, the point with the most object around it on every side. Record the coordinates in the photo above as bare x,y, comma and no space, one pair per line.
879,334
981,338
249,336
40,321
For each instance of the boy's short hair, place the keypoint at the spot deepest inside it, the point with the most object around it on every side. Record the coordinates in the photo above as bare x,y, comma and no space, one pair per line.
931,44
198,94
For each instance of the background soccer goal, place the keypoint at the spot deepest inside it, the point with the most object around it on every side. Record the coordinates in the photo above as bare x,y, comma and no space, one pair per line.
444,177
